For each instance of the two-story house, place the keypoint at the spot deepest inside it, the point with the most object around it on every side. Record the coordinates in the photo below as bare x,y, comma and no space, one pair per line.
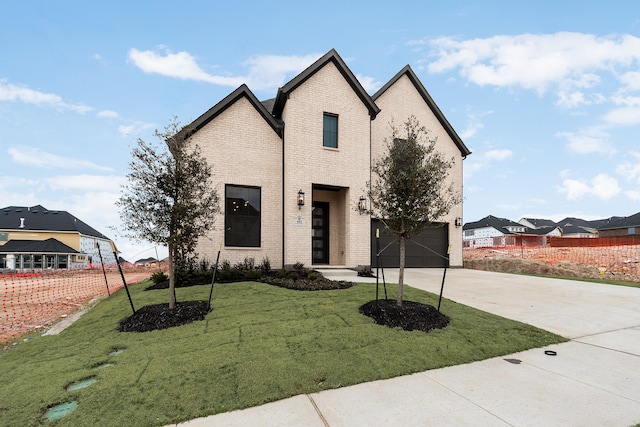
293,171
34,237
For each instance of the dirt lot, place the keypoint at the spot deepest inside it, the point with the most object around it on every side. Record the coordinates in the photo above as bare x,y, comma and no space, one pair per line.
613,263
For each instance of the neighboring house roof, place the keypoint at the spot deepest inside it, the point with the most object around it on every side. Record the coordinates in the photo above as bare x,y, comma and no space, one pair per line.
49,246
331,56
242,92
39,218
430,102
539,222
499,224
622,222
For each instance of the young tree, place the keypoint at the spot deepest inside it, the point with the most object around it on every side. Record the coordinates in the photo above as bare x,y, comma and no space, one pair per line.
169,199
410,191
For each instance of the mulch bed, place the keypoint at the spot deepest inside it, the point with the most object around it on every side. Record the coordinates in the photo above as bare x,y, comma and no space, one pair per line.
411,316
158,316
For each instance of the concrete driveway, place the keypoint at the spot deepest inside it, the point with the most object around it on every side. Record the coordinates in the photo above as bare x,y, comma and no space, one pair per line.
593,380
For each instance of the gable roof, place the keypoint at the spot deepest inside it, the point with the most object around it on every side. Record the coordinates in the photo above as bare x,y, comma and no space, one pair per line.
331,56
39,218
242,92
407,71
621,222
49,246
540,222
499,224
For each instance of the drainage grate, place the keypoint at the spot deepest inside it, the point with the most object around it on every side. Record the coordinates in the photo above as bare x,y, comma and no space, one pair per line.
61,410
81,384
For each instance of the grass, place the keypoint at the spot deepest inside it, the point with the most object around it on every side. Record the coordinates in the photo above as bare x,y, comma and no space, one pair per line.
259,344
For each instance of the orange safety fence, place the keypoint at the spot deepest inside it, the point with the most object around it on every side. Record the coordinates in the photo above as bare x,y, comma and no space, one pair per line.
619,255
34,300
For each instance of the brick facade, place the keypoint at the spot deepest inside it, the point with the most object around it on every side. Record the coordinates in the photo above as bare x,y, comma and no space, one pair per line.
277,146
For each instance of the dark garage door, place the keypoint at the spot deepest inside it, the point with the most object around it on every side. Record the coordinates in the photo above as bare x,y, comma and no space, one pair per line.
428,249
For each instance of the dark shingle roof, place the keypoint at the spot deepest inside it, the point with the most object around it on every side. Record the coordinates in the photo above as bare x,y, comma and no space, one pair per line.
49,246
621,222
499,224
39,218
541,223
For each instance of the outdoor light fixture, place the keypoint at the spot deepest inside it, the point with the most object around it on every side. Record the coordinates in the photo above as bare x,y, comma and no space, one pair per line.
300,199
458,221
362,205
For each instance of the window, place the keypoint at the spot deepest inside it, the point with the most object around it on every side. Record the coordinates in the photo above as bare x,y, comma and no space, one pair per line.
330,131
242,216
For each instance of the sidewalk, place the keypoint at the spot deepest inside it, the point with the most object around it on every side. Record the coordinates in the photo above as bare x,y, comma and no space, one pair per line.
593,380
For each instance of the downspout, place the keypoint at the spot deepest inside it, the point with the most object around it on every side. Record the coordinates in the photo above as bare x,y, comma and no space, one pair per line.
283,197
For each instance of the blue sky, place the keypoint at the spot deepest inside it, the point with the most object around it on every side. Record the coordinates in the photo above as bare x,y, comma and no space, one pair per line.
546,94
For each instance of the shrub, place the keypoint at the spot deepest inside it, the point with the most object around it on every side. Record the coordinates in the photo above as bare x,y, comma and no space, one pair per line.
298,266
252,274
158,277
313,276
265,265
282,273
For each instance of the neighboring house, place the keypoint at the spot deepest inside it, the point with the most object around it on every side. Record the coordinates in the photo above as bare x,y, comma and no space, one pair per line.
621,226
541,227
492,231
37,238
580,228
293,171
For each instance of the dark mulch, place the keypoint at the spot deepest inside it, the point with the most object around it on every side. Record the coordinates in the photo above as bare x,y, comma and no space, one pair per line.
158,316
411,316
320,284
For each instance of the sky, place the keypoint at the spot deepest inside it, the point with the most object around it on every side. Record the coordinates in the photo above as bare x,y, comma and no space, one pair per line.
546,94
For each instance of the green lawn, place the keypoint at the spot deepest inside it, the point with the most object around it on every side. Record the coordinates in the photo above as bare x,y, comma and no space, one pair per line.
259,344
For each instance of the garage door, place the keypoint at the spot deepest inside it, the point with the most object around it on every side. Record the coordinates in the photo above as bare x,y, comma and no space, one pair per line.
428,249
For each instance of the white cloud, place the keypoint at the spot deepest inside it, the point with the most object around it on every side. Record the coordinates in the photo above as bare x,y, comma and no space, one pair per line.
633,195
33,156
85,182
108,114
474,124
602,186
265,71
537,61
498,154
587,141
481,161
135,129
630,169
369,83
628,116
12,93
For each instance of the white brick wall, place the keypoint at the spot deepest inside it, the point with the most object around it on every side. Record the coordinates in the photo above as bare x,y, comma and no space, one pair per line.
307,163
398,103
244,150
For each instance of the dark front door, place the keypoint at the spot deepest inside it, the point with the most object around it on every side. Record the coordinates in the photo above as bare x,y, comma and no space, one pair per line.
320,233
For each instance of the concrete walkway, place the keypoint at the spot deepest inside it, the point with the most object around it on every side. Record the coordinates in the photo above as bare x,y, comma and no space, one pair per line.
593,380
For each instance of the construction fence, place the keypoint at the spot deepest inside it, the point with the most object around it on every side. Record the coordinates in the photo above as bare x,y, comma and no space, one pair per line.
34,300
619,256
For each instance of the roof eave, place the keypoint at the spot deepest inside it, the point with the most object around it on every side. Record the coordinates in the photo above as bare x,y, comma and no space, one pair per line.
331,56
408,71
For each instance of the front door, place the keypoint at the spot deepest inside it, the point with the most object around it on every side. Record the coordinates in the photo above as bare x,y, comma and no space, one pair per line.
320,233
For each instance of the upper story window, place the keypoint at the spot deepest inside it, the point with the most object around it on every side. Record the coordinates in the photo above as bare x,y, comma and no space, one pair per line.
330,131
242,216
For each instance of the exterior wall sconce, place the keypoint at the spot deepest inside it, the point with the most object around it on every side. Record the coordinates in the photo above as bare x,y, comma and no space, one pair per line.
458,221
362,205
300,199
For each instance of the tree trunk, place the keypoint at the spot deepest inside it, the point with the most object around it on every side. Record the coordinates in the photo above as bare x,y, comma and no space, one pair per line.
172,277
401,271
